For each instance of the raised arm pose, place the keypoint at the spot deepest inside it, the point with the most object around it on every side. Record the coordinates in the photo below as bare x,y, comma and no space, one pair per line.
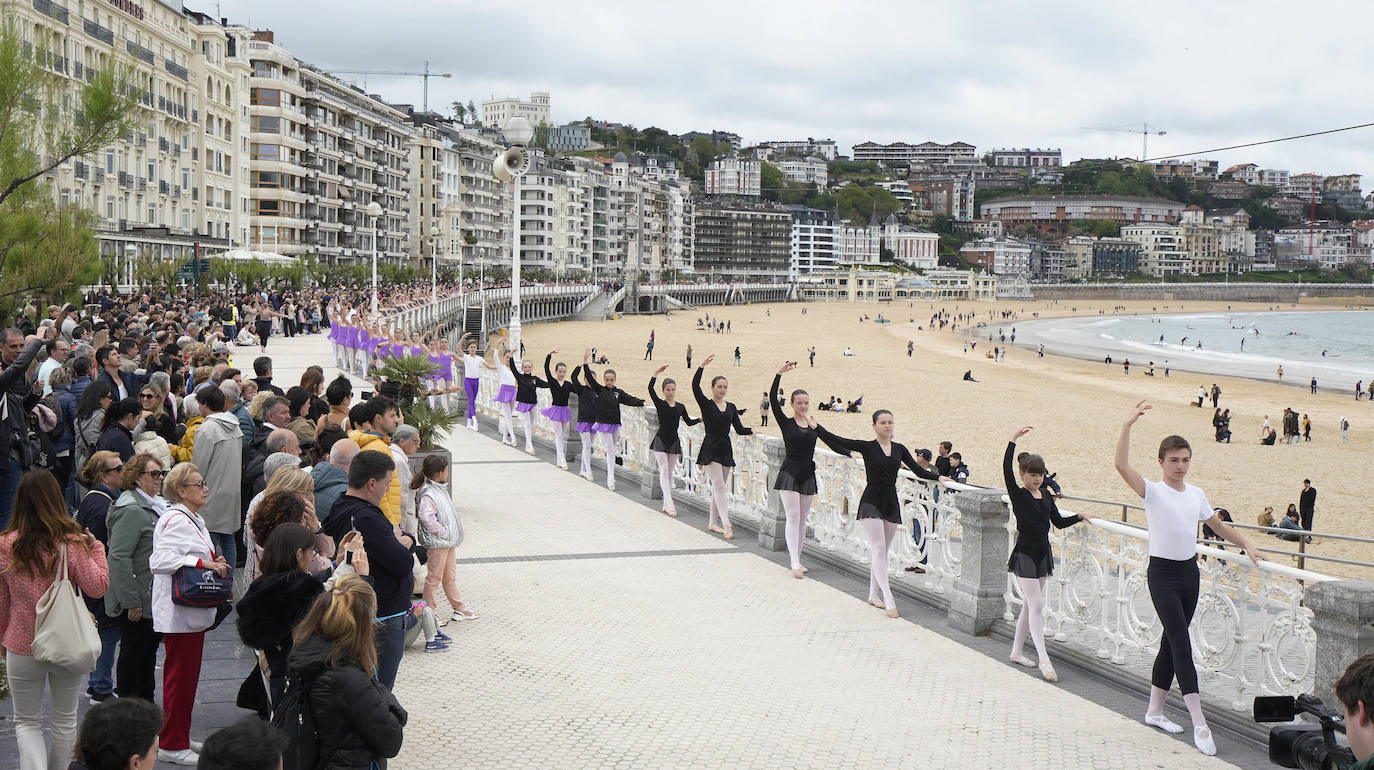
586,414
526,396
558,412
717,456
666,446
1032,560
879,510
472,374
1173,509
796,483
607,425
505,395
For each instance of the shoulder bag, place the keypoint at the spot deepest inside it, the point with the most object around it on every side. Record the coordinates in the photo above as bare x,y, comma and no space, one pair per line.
64,632
198,587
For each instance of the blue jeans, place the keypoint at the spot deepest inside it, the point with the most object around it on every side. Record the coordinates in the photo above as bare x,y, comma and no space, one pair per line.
391,644
224,546
8,484
102,678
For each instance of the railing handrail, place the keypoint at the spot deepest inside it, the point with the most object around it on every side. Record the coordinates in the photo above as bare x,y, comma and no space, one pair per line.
1140,533
1236,524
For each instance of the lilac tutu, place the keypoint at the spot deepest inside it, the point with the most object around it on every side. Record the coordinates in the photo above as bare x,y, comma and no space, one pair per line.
584,427
523,407
505,395
602,427
558,414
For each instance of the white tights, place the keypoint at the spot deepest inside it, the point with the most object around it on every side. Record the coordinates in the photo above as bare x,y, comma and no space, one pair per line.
527,422
797,506
560,442
666,463
507,423
1192,700
1032,618
719,476
880,534
586,437
608,441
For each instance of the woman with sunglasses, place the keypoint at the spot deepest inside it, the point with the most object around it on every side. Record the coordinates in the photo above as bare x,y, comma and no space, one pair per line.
102,475
181,539
130,599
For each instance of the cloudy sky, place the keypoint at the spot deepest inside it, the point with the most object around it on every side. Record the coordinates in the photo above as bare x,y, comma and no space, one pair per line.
995,74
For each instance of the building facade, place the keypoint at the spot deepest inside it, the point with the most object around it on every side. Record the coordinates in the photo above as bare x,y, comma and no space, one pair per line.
1052,213
822,148
739,241
810,170
733,176
1002,255
813,240
1163,248
569,137
495,112
1028,158
929,153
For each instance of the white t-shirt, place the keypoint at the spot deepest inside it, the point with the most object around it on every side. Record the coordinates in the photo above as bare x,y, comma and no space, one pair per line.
1172,517
472,366
507,376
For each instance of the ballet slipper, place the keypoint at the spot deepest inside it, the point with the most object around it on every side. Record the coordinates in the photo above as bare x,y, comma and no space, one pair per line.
797,573
1022,660
729,534
805,570
714,528
877,604
892,613
1047,671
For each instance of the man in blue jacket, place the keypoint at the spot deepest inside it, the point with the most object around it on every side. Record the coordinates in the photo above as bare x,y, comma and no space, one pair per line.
388,553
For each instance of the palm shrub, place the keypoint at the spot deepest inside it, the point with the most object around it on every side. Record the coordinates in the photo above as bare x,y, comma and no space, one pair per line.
408,372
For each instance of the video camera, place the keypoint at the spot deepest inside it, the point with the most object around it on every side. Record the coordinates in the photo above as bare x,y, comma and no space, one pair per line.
1304,746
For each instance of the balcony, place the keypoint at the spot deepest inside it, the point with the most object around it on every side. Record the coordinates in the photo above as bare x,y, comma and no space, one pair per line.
98,32
142,54
51,10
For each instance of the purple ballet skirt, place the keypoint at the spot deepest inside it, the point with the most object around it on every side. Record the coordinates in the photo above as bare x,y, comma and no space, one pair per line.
505,395
445,363
523,407
584,427
558,414
603,427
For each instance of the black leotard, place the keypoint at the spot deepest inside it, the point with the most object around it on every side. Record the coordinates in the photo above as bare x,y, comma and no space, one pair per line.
665,438
608,400
525,384
798,471
559,392
1031,557
715,447
879,499
586,397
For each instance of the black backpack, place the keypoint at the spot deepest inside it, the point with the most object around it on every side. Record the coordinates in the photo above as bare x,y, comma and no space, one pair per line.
293,717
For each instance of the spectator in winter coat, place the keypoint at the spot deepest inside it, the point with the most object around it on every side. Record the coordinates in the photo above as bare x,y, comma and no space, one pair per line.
120,420
130,599
102,476
331,476
358,721
218,452
16,354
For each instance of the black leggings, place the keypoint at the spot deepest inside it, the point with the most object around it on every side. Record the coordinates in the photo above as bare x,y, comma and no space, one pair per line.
264,329
1174,589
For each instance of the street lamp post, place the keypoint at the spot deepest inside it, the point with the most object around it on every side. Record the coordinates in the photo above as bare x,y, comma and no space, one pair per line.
374,210
433,269
510,166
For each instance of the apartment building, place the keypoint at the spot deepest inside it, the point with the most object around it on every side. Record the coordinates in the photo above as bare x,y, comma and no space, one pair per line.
1273,177
927,153
569,138
813,240
739,241
1163,248
825,149
1246,173
809,170
1052,213
1304,187
733,176
1028,158
170,188
495,112
1078,257
1343,190
1331,245
1002,255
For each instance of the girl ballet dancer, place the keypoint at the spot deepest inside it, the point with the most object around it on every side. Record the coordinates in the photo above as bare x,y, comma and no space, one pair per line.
879,510
1031,560
505,396
1173,509
443,379
608,401
717,456
586,418
526,397
557,411
796,482
473,365
666,446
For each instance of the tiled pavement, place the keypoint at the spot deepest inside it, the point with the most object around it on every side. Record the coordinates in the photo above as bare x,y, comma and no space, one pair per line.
613,636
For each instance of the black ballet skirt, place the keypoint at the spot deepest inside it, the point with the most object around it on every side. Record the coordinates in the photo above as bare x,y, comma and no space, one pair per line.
716,448
879,502
799,477
666,444
1031,560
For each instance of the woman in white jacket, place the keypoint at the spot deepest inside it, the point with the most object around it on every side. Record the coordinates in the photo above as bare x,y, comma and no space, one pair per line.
181,540
440,532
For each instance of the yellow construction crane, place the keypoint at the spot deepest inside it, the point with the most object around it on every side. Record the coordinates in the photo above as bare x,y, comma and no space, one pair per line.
426,75
1135,128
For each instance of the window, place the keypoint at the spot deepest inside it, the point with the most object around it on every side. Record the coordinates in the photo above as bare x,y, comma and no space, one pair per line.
263,124
267,208
266,179
110,162
266,151
266,97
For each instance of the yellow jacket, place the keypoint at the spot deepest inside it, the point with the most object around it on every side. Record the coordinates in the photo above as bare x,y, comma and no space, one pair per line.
182,452
391,504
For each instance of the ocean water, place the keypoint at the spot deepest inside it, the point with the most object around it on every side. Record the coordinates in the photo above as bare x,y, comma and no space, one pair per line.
1336,347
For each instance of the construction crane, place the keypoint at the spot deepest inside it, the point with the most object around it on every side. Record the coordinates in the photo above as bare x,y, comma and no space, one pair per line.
1131,128
426,75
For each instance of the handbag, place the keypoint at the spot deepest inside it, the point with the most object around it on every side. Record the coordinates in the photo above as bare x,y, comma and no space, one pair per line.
64,632
198,587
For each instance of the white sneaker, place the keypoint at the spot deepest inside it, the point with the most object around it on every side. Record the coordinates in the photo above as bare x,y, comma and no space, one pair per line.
463,614
197,746
1163,723
184,757
1202,738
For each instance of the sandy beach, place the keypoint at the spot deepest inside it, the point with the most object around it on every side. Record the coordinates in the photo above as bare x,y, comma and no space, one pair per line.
1075,406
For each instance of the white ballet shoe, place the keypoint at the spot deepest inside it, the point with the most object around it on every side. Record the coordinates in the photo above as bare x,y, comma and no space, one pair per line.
1022,660
1202,738
1048,672
1163,723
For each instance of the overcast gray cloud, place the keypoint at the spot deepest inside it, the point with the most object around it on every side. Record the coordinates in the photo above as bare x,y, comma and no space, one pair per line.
995,74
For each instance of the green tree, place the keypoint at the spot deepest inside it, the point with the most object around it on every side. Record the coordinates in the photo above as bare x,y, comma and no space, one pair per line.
473,114
541,136
43,124
858,205
771,181
459,111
